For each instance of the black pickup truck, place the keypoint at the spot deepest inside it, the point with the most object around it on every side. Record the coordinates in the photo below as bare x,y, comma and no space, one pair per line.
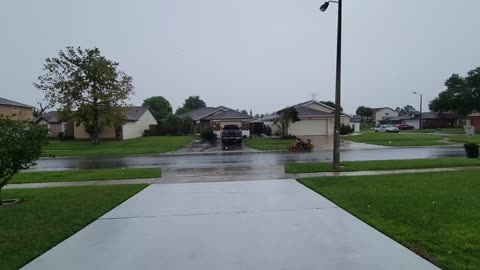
231,134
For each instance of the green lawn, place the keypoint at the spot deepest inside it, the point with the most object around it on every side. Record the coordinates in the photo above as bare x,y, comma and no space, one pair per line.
437,130
137,146
434,214
465,139
349,166
85,175
47,216
268,143
400,139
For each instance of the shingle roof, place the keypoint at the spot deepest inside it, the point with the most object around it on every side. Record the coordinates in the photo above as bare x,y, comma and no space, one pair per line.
227,114
440,115
200,113
134,113
50,117
308,112
474,114
376,109
4,101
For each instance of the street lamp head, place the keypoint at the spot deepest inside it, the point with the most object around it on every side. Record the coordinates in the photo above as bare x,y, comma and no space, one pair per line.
324,6
415,92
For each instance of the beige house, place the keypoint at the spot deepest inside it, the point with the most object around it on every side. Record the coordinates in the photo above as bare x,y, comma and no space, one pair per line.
15,110
217,117
137,120
55,126
316,119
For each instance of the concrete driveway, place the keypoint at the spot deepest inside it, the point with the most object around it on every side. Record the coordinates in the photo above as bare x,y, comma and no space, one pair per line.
272,224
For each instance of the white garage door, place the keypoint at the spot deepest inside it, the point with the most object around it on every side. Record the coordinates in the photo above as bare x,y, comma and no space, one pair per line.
308,128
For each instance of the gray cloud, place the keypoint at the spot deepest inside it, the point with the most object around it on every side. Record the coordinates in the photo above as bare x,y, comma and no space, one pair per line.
259,55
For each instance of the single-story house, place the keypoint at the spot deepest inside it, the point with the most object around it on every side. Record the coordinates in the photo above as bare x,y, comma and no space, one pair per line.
137,120
316,119
55,126
474,120
216,118
15,110
382,113
429,120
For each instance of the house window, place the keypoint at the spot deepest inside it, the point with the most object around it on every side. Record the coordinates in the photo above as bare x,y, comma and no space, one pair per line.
387,113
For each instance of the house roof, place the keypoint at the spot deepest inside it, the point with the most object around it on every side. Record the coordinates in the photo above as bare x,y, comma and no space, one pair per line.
50,117
132,114
4,101
440,115
309,112
474,114
227,114
380,108
201,112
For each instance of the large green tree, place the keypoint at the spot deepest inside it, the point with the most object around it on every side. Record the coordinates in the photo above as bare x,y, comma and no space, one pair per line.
364,112
159,105
286,116
407,110
21,144
461,96
190,104
87,86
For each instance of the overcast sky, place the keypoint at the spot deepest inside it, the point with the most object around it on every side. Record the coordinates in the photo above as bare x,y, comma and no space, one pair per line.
253,54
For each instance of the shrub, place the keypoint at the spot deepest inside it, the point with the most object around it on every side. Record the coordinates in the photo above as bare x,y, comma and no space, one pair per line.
267,130
208,135
346,129
301,145
289,136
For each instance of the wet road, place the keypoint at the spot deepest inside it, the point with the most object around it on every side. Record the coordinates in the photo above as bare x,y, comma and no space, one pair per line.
239,161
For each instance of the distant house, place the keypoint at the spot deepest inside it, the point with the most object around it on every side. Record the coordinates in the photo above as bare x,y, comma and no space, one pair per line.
316,119
382,113
15,110
55,126
474,120
137,120
433,120
216,118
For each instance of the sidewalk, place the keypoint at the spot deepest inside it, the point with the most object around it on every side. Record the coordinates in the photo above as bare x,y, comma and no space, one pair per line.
268,225
227,178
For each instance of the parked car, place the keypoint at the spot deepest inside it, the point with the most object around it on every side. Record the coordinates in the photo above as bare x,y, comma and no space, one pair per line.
231,134
387,129
404,126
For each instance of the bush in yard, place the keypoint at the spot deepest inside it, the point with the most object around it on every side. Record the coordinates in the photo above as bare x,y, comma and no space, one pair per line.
346,129
471,150
289,136
21,144
209,135
301,145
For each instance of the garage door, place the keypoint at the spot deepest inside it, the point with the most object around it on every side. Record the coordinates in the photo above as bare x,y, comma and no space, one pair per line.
308,128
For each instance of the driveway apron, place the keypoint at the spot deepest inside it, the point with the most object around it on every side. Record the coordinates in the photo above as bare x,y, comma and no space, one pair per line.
272,224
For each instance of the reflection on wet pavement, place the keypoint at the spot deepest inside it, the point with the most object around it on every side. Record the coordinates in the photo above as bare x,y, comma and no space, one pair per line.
231,162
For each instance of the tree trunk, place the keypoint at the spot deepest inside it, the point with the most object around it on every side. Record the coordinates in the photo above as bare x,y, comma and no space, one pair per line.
1,201
96,119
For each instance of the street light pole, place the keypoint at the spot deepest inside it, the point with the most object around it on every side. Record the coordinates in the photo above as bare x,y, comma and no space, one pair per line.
421,102
338,81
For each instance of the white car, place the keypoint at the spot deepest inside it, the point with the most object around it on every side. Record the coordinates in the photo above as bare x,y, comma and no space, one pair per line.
387,129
